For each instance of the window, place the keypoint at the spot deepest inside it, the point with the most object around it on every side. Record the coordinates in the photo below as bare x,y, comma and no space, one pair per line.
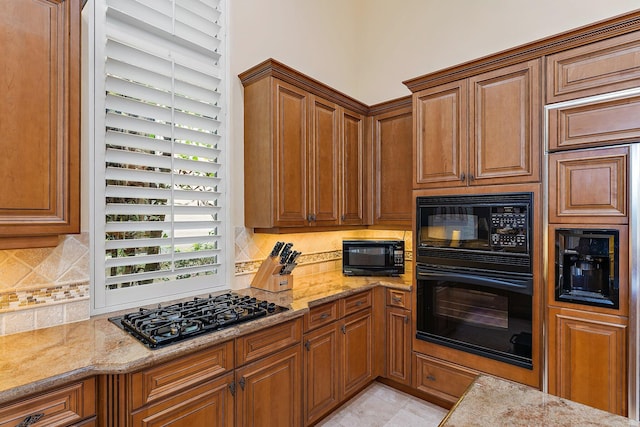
159,202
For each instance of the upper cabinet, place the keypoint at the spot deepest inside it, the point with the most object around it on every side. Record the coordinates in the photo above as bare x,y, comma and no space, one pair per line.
39,122
481,130
605,66
392,141
304,153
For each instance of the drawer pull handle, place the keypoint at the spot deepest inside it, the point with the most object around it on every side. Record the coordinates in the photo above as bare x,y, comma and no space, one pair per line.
324,316
359,303
397,299
431,377
31,419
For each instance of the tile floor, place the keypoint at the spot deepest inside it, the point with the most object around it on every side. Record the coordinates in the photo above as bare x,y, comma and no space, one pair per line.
382,406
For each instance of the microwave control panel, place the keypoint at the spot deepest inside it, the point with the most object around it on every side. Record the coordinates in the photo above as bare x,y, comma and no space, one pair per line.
509,227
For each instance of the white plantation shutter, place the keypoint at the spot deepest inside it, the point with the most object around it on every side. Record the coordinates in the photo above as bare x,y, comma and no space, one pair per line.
159,206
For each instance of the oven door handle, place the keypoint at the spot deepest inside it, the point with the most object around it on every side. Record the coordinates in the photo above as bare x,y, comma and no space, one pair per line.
523,286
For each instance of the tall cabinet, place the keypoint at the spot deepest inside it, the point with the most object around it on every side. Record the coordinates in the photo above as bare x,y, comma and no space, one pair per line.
39,121
589,126
304,149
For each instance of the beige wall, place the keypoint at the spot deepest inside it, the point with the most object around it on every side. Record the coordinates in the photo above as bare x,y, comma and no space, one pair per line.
366,48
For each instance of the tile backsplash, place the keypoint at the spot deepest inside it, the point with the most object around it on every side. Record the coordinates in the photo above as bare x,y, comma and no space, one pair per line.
44,287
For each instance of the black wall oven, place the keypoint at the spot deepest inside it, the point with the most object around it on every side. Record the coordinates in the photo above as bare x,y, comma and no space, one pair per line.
474,274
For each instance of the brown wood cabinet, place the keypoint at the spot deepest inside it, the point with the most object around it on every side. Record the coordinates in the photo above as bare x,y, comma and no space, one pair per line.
73,404
339,354
479,131
269,391
40,125
588,358
209,404
605,66
597,123
391,163
398,336
304,150
589,186
441,379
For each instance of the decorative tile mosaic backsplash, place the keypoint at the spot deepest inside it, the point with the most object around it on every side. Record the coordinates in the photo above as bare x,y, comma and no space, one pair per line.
44,287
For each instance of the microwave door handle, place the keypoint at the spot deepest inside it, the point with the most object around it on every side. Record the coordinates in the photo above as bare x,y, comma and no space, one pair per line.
525,287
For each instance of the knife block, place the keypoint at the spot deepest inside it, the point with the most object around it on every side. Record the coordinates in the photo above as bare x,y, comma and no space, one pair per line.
268,277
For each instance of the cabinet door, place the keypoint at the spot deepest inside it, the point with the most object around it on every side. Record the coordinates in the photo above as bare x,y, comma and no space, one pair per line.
598,123
269,391
40,121
589,186
357,352
392,151
291,153
321,372
352,169
398,361
210,404
440,122
504,109
595,68
323,159
587,358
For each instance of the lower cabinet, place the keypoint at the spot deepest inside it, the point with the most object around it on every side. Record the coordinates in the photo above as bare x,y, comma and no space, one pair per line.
210,404
338,354
268,392
588,358
441,379
398,337
70,405
321,372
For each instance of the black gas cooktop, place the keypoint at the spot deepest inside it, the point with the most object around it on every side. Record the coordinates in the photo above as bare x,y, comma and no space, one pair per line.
156,327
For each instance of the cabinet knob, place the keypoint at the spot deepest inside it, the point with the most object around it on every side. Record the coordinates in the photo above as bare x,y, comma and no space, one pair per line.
31,419
241,382
307,345
344,329
406,319
462,176
471,177
342,218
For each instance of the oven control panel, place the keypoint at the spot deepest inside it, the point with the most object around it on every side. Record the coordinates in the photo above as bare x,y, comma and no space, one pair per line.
509,227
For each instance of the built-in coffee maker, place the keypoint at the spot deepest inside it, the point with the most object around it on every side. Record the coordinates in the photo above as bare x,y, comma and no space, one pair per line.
587,266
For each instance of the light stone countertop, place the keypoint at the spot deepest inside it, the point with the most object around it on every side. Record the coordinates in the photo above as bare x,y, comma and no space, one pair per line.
491,401
37,360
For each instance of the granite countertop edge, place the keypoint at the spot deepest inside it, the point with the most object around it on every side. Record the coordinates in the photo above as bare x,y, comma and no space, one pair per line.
95,346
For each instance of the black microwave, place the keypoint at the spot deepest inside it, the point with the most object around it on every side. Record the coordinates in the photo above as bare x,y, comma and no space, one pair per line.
366,257
476,231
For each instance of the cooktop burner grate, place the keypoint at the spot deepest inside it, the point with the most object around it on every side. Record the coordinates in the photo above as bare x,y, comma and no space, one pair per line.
156,327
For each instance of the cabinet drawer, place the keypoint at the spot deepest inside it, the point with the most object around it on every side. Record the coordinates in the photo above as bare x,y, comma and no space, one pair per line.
60,407
594,124
596,68
397,298
160,381
321,315
441,379
210,403
586,186
356,302
264,342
